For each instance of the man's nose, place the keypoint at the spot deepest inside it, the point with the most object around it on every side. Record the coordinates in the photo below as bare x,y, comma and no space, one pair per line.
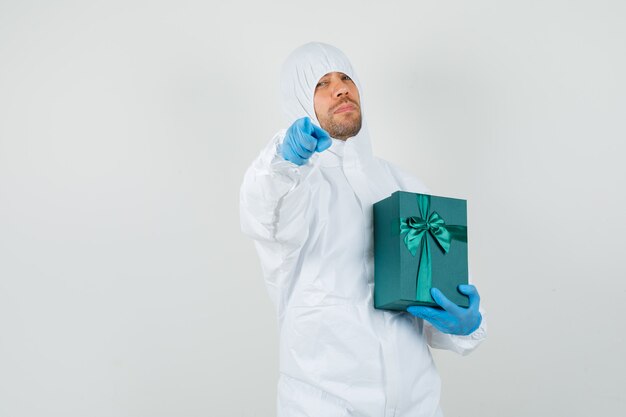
341,90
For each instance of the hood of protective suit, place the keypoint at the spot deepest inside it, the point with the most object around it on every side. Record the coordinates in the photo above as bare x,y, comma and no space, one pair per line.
300,74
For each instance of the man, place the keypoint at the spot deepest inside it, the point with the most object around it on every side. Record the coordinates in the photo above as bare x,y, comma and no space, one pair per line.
307,202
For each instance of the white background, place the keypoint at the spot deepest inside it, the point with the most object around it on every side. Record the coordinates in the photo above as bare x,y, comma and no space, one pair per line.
126,286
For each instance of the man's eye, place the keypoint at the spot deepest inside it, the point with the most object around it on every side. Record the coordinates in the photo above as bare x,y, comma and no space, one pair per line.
321,83
346,77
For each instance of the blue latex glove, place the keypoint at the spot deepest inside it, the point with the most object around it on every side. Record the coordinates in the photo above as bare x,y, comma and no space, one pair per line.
452,319
302,139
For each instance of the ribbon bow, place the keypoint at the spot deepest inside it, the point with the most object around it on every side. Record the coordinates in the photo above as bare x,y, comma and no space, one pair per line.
417,230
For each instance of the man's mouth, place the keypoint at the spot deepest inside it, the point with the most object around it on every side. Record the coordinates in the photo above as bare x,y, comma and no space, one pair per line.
344,108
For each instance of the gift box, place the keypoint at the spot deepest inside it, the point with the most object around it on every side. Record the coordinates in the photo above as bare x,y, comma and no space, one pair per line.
420,242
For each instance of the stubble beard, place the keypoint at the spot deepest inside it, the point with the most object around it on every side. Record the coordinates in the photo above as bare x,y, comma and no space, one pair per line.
344,129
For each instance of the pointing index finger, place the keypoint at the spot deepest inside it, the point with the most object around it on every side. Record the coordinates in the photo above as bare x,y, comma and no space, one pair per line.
317,132
323,138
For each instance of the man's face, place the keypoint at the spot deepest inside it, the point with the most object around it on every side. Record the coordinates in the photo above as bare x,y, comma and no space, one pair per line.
337,105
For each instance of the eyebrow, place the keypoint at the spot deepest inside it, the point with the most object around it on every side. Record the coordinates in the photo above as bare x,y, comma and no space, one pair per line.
328,75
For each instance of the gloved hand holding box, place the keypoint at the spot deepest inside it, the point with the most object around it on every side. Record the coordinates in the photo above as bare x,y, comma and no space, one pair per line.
420,242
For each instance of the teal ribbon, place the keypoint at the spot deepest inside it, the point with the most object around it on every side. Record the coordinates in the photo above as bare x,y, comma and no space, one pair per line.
417,230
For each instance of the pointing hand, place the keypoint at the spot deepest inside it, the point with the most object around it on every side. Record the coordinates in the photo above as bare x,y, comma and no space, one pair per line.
303,138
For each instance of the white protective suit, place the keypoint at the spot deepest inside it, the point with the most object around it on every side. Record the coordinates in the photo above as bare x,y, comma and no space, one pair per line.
313,230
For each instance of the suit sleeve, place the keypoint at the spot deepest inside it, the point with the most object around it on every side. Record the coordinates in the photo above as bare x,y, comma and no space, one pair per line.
274,209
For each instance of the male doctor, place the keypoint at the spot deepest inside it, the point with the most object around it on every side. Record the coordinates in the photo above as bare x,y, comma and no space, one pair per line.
306,200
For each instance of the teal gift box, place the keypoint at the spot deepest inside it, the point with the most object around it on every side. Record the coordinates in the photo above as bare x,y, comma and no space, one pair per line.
420,242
